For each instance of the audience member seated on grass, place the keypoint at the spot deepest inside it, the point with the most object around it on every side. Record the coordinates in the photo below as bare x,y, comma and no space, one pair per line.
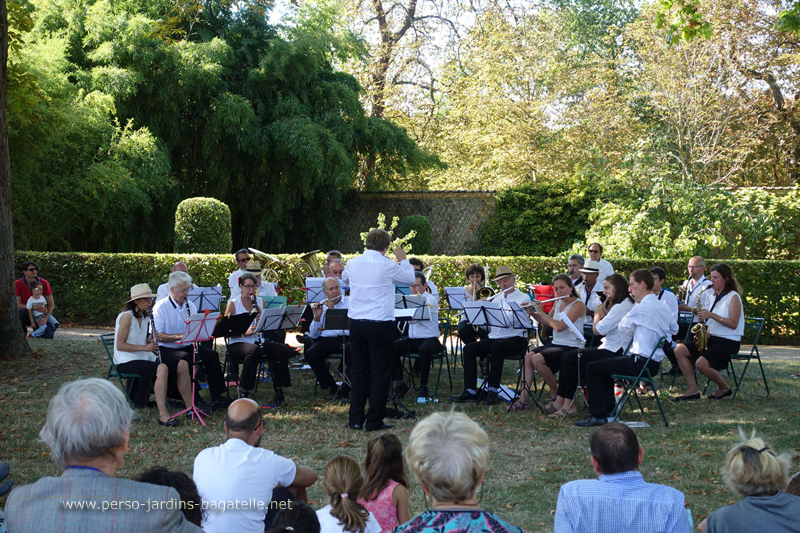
43,312
755,472
448,454
87,430
191,503
344,513
240,470
619,500
299,518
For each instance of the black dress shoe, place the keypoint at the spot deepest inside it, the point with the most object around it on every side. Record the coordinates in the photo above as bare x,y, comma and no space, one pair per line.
728,392
491,398
171,423
423,391
278,400
382,427
591,422
465,397
357,427
687,397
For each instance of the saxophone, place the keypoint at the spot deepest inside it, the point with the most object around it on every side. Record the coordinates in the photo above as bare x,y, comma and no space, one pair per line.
700,329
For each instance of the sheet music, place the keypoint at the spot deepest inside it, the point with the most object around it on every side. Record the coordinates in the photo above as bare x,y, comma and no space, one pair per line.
291,316
520,317
206,297
314,293
199,328
404,314
456,296
417,302
562,316
270,319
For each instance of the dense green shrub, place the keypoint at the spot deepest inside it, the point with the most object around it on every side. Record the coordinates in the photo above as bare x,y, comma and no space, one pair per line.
94,286
421,242
543,217
203,226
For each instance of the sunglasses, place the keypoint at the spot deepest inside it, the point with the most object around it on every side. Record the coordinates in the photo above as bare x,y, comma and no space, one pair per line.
30,269
245,260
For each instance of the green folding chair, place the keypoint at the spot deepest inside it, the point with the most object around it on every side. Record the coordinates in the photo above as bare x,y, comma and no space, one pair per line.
107,340
631,386
752,329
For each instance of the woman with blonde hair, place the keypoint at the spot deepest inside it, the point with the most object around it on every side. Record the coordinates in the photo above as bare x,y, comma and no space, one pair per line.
755,472
342,484
448,454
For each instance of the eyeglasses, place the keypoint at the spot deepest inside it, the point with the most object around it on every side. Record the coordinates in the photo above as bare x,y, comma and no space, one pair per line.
417,285
186,290
594,251
249,286
245,260
30,269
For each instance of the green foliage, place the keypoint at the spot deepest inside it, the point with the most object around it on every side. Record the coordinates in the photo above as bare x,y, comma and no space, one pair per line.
402,240
421,226
94,286
683,20
543,217
203,226
673,220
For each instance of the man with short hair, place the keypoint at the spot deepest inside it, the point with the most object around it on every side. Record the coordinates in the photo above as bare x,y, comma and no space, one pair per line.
87,430
242,258
244,485
327,341
665,295
371,277
22,291
619,500
333,255
691,288
596,254
163,289
574,265
500,343
170,316
336,269
588,289
648,321
419,266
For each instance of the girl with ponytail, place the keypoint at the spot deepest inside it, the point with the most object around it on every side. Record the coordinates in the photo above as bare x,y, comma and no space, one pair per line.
342,484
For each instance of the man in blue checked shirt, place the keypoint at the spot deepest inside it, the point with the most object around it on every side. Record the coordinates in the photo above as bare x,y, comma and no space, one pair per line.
619,501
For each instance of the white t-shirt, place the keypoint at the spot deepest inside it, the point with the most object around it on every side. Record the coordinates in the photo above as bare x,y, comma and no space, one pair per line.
36,301
237,474
330,524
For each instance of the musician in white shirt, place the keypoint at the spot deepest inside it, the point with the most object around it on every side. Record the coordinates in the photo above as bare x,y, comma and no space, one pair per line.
163,289
242,258
327,341
423,335
371,278
501,342
419,266
596,254
588,290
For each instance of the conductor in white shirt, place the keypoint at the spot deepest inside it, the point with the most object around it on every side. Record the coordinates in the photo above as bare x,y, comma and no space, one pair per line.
371,278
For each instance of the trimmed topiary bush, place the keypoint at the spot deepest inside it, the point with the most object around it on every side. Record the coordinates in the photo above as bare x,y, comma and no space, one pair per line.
203,226
421,242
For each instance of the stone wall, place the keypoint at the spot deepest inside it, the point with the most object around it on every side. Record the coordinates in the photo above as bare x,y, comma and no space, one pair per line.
455,217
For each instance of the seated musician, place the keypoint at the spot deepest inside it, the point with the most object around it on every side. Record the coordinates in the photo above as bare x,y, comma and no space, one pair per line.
606,321
171,315
250,352
330,257
723,314
546,359
648,321
500,342
587,292
423,335
574,266
327,341
135,352
419,266
476,278
242,258
163,289
335,269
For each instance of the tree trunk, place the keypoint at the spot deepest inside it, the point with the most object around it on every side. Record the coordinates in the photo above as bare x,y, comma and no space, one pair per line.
12,339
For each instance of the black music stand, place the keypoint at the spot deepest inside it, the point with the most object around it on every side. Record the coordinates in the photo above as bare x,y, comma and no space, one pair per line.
199,328
232,326
338,319
582,343
206,298
456,296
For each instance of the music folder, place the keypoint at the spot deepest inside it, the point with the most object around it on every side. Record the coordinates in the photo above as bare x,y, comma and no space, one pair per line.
200,327
233,325
456,296
272,302
401,289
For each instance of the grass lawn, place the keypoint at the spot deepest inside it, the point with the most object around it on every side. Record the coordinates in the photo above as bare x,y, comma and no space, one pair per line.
532,455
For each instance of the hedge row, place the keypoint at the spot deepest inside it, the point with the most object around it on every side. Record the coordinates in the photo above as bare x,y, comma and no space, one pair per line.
92,287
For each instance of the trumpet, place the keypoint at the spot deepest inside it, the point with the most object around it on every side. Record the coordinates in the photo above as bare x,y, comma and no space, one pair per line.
320,304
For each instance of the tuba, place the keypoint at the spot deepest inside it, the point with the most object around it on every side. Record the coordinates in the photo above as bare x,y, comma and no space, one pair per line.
308,267
267,274
700,329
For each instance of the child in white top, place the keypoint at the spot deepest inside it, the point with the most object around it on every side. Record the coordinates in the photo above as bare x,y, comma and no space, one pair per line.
33,315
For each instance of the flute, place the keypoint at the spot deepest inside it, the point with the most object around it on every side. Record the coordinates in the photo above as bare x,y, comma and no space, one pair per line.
319,304
528,304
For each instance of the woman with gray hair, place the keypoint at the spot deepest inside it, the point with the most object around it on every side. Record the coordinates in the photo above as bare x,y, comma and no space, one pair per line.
448,454
755,472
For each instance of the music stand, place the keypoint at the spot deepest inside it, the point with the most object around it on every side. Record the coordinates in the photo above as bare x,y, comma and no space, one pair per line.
199,328
314,290
419,305
337,319
456,296
401,289
272,302
206,297
270,319
232,325
562,316
292,316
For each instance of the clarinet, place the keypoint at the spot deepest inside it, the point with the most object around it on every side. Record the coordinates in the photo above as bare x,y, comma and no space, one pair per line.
254,310
155,337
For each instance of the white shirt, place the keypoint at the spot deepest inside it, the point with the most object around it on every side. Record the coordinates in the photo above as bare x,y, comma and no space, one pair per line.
504,333
609,326
315,331
605,270
162,292
236,472
233,281
41,300
330,524
648,321
240,309
171,319
137,335
723,309
591,301
669,298
426,329
566,337
693,291
371,277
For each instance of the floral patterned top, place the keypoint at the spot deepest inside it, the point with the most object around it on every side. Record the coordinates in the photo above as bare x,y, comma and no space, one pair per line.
457,521
383,508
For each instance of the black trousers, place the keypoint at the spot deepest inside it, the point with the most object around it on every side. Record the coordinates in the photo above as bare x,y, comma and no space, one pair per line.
317,355
497,350
210,360
251,354
141,388
601,386
372,345
568,378
426,348
467,333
